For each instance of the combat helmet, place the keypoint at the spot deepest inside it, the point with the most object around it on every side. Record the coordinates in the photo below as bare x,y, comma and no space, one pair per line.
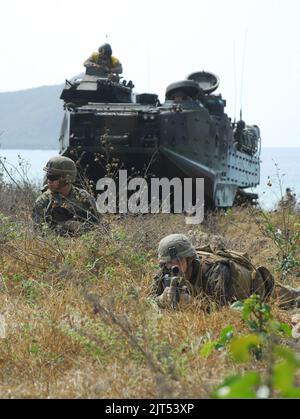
175,246
62,166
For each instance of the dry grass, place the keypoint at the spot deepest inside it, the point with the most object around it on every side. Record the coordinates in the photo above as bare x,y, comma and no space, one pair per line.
59,345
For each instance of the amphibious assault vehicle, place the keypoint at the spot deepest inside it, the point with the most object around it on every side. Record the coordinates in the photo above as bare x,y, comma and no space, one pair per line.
106,126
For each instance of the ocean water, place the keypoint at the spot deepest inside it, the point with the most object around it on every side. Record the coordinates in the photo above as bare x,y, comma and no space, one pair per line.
280,169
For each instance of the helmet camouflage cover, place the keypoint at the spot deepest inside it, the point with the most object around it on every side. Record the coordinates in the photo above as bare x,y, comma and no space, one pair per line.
62,166
175,246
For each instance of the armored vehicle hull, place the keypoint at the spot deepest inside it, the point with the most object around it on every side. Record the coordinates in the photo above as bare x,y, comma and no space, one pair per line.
189,135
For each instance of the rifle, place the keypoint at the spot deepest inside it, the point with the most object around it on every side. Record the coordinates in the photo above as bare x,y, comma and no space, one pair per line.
173,280
56,212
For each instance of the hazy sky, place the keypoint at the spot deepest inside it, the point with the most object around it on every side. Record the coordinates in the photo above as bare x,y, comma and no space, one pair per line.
42,42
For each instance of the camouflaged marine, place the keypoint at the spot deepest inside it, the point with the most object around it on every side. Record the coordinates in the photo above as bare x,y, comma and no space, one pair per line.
64,208
288,201
219,276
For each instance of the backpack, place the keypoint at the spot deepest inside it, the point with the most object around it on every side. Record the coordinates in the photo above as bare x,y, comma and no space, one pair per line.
229,275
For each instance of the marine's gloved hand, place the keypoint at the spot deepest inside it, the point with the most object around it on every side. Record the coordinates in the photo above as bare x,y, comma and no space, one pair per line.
185,298
166,299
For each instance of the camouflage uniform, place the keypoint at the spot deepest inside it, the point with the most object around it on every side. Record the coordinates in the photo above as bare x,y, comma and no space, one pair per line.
72,212
223,276
289,201
75,213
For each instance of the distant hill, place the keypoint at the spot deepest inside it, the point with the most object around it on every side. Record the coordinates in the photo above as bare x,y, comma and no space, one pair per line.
30,119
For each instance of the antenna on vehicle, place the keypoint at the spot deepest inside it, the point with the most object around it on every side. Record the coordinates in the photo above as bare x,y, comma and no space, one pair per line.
243,72
235,82
148,64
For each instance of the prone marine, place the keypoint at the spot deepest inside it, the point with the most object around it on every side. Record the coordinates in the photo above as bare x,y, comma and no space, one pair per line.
219,276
